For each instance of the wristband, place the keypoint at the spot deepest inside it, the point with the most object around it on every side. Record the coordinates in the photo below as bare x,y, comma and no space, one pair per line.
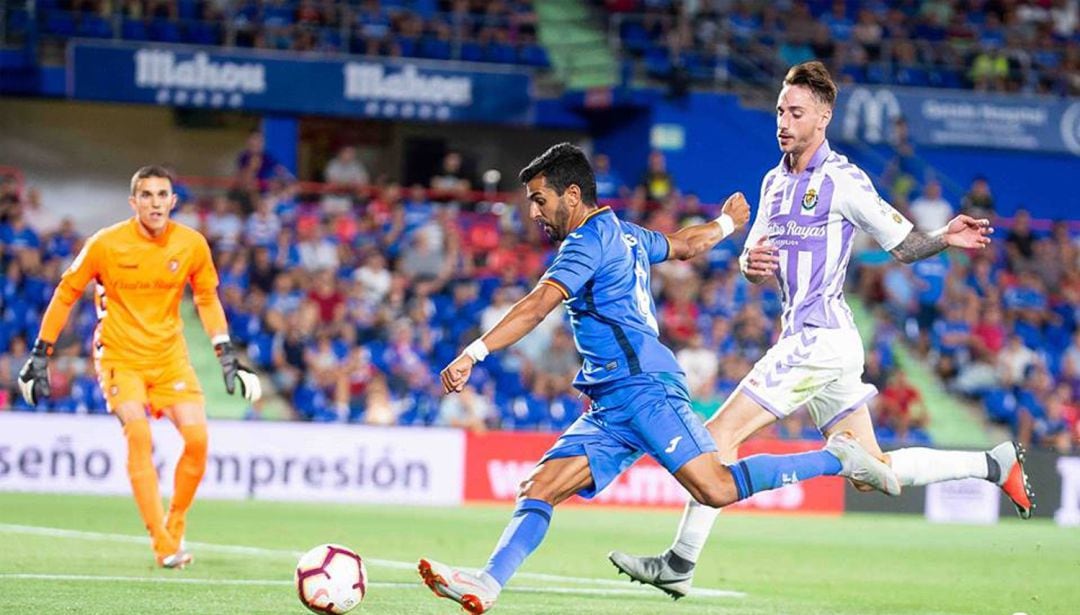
477,351
727,225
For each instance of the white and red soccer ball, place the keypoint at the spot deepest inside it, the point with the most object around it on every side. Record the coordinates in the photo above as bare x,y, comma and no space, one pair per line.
331,579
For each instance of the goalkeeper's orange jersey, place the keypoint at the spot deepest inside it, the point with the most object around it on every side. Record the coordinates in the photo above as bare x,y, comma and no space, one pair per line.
139,284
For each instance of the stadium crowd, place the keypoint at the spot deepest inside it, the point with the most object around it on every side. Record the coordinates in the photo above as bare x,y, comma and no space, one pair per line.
351,295
500,31
1027,46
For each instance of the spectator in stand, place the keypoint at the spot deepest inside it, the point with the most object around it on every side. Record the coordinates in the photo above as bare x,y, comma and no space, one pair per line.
325,294
952,339
990,69
1055,429
978,202
931,211
223,225
373,278
188,214
701,365
254,164
680,313
40,219
930,274
1020,242
315,247
1014,361
608,183
262,227
900,292
347,176
423,260
470,410
901,407
16,234
451,180
658,183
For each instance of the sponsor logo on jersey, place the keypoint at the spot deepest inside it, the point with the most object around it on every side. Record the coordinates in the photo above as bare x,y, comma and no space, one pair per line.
795,229
671,445
174,265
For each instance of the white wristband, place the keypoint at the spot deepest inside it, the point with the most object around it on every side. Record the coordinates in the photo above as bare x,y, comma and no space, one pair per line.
477,351
219,339
727,225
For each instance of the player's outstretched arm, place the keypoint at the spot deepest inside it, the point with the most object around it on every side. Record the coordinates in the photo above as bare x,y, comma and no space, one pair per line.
516,324
34,376
961,232
686,243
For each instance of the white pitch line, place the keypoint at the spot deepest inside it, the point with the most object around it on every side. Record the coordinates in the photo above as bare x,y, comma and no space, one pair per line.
619,586
587,591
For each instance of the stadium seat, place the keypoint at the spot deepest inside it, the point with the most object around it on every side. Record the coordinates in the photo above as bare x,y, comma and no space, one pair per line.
165,31
134,30
93,26
534,55
202,33
60,23
471,51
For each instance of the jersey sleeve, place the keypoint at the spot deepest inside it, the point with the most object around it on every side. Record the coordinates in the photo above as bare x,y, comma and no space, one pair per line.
575,263
863,206
656,244
760,227
204,283
82,270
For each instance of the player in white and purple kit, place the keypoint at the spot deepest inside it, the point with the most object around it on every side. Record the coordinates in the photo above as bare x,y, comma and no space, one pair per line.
810,206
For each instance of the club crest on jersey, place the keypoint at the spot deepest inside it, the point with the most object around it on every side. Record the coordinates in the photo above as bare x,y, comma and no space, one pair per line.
173,265
809,199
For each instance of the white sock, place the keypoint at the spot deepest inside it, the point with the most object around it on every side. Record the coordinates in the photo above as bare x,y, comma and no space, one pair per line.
694,528
922,466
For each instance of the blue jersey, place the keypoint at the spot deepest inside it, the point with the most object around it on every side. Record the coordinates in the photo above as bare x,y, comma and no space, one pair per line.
603,270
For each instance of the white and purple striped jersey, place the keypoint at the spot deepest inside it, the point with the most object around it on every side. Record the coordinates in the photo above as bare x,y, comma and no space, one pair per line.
811,218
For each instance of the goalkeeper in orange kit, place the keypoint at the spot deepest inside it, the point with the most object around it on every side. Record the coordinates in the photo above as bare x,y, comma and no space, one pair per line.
140,268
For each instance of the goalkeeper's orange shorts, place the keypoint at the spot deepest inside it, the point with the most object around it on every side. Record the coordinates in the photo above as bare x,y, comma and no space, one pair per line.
157,387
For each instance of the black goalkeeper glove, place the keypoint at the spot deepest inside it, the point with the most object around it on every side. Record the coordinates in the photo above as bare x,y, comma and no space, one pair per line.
234,370
34,375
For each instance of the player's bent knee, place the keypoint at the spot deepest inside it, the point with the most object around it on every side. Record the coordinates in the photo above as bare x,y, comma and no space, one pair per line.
716,496
196,440
539,490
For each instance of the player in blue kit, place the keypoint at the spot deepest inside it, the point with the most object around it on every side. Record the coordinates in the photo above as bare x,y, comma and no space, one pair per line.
639,398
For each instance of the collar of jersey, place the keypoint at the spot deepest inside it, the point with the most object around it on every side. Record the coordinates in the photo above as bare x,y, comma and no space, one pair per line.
816,160
592,214
160,239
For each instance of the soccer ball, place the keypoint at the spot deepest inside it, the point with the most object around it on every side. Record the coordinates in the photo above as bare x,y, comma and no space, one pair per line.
331,579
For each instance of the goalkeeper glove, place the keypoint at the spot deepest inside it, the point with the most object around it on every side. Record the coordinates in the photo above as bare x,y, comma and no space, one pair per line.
34,375
234,370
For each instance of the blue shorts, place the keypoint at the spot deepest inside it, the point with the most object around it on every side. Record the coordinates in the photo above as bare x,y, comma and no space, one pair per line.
646,413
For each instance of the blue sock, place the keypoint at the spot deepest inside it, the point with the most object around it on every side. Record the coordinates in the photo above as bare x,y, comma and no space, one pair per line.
522,535
763,472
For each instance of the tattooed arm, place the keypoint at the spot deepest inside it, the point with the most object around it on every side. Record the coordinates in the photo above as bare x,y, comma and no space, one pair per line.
961,232
919,245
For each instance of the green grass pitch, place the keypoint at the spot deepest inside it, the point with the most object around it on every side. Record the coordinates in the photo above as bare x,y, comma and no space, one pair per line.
80,554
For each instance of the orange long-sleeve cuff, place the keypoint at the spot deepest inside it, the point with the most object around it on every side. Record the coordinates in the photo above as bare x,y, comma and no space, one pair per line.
211,314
